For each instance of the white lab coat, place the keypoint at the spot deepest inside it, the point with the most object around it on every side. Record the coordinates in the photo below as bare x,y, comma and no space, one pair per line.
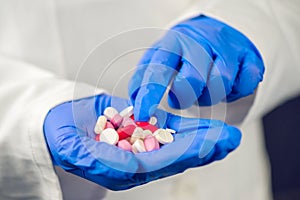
44,43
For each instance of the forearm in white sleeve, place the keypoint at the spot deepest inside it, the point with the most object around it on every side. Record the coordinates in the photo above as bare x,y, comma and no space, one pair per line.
27,93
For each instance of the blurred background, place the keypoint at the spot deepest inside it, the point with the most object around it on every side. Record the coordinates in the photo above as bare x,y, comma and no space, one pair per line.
282,138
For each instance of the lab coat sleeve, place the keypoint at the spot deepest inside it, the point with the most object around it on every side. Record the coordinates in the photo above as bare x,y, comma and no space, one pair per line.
26,95
274,27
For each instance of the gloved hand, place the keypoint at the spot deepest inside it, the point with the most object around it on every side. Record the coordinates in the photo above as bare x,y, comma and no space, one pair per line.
205,60
68,129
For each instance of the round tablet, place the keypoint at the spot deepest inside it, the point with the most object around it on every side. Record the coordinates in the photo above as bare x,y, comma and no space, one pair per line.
110,112
163,136
152,120
109,136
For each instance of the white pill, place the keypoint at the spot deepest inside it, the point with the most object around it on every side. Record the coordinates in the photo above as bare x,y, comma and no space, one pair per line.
110,112
152,120
145,133
163,136
137,134
109,136
100,124
98,129
170,130
138,146
127,112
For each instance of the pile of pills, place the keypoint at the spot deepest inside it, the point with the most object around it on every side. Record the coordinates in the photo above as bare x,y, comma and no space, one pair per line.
119,128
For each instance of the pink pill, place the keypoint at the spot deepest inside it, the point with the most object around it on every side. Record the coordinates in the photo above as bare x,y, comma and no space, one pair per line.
116,120
128,121
109,125
125,132
125,145
151,143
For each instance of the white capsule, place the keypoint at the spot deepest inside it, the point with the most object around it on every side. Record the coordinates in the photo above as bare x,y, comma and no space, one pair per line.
138,146
127,112
100,124
171,130
109,136
163,136
110,112
152,120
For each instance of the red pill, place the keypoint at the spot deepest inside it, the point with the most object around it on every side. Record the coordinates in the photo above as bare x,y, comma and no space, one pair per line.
125,132
141,124
132,117
147,126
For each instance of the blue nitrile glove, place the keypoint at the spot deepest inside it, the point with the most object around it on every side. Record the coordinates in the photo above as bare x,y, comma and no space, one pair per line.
208,60
68,129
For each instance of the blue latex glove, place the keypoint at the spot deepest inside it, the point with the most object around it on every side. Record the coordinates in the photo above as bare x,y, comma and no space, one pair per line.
205,60
68,129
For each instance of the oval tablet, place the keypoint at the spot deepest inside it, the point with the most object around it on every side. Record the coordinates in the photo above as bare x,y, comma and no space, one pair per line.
138,146
125,145
163,136
151,143
127,112
100,124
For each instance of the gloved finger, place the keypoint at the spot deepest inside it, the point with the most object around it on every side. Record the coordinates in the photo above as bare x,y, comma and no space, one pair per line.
156,76
137,78
219,84
194,72
200,143
188,84
250,74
